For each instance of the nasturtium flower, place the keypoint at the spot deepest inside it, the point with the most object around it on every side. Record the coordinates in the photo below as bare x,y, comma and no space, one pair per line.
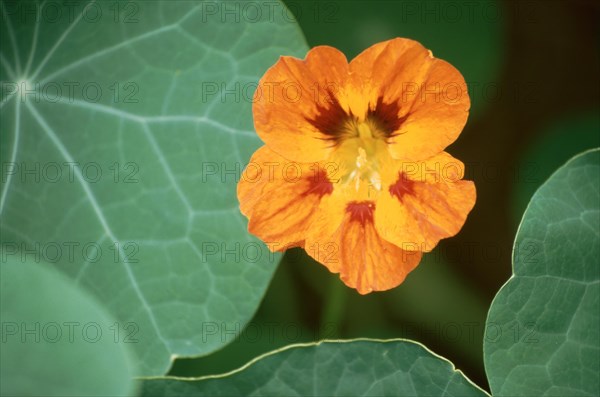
353,168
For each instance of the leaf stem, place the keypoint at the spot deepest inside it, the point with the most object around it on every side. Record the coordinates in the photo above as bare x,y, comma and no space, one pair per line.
333,312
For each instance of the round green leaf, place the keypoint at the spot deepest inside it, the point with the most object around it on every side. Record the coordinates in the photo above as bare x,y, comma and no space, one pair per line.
125,126
342,368
543,326
57,340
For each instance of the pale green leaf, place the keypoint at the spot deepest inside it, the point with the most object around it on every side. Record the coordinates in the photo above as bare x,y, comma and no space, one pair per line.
542,333
132,167
57,340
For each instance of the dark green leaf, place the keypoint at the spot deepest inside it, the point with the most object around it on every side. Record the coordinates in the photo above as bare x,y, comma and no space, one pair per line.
343,368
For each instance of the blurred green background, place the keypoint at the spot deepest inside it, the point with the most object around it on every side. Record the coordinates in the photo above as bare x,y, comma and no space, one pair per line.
532,68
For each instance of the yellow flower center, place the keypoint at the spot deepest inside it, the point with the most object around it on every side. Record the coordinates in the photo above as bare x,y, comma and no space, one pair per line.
360,158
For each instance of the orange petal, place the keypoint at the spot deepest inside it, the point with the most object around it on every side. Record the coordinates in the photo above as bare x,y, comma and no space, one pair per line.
298,100
423,99
425,201
346,241
280,197
437,115
375,69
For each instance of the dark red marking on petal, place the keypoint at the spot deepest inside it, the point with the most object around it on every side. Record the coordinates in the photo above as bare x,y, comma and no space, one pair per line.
331,118
402,187
319,184
361,211
385,116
